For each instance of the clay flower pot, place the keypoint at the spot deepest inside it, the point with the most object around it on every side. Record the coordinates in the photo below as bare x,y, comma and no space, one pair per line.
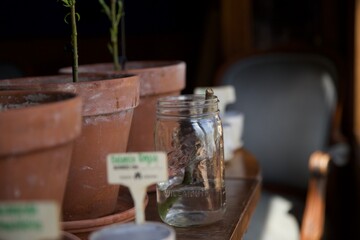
108,106
38,130
157,79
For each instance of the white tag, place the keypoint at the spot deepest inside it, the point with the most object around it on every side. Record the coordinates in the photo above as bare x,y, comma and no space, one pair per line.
137,171
137,168
29,220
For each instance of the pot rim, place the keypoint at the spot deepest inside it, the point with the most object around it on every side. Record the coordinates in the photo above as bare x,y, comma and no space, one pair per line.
113,93
34,127
157,77
150,64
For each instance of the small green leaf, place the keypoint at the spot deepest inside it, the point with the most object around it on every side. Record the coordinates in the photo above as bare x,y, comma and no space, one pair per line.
68,14
110,48
68,3
120,10
106,8
78,16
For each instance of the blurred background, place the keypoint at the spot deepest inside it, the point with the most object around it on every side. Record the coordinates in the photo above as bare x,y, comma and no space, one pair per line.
205,34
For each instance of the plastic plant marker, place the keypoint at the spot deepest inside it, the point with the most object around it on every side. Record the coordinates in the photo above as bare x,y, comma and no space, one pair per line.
29,220
137,171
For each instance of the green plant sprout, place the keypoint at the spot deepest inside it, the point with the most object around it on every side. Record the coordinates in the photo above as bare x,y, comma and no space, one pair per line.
74,16
115,13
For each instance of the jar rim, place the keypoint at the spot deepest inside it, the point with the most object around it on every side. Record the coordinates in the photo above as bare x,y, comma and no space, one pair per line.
184,100
187,106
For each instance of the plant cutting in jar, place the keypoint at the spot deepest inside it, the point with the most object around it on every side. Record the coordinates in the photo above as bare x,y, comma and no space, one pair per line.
189,164
74,16
115,12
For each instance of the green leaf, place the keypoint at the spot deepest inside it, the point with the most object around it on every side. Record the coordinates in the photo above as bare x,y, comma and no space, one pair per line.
110,48
68,14
66,3
78,16
119,12
106,8
164,208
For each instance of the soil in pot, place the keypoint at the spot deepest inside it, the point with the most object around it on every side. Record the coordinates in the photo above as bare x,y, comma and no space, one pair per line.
107,112
157,79
38,130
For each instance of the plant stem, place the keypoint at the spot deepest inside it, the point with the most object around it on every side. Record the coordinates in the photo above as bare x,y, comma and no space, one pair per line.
123,38
114,12
74,44
114,35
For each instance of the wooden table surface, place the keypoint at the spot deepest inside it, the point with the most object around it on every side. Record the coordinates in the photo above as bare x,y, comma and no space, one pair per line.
243,182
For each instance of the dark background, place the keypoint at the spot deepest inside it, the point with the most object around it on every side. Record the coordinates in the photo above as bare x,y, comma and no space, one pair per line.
34,35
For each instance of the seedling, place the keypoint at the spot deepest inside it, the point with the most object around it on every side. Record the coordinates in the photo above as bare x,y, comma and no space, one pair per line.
73,16
115,12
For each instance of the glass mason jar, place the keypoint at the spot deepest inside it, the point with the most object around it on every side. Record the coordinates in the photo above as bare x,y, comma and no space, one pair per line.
188,128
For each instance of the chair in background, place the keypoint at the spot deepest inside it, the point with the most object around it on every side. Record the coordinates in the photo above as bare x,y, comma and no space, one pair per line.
289,101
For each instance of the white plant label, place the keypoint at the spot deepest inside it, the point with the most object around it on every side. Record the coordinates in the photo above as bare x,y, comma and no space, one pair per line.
137,168
137,171
29,220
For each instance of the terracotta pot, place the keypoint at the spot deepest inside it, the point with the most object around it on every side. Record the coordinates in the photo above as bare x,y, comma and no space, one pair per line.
157,79
38,130
107,114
